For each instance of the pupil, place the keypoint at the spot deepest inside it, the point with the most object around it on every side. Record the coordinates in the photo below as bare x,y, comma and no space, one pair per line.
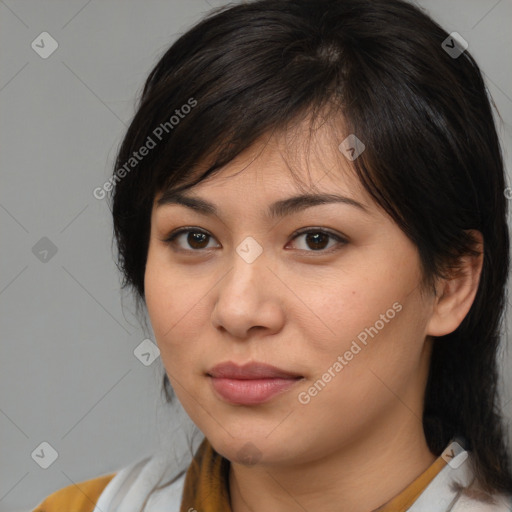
196,237
315,237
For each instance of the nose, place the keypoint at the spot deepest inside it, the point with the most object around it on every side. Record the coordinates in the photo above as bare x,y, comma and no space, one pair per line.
249,297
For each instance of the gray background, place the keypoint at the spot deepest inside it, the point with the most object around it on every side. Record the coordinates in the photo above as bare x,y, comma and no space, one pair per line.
68,372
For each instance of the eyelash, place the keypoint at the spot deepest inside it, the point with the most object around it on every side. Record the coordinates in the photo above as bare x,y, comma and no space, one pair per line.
170,240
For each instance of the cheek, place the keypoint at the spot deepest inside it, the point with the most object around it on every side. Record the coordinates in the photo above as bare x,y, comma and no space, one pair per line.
379,363
176,313
157,296
340,309
374,318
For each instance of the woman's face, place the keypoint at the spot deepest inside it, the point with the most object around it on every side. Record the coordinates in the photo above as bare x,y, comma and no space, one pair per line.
344,316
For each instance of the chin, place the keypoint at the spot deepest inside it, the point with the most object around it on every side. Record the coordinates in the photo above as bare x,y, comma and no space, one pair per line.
251,449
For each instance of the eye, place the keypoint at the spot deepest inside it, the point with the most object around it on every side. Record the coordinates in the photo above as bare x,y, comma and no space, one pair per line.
198,239
316,238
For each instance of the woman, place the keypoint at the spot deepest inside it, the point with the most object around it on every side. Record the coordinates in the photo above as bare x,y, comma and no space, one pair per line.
333,332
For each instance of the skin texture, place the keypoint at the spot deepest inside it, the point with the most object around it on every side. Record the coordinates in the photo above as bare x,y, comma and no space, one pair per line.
359,441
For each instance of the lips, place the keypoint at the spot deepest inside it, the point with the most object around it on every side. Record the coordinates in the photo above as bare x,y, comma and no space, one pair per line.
230,370
250,384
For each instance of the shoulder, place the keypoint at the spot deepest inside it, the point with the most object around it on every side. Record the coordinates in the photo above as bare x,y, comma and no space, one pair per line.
153,484
474,499
456,489
80,497
150,482
497,503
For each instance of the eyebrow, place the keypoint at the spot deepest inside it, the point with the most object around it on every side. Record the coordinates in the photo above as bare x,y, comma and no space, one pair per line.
278,209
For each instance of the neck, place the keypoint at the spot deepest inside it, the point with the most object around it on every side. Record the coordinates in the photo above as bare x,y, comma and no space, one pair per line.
361,476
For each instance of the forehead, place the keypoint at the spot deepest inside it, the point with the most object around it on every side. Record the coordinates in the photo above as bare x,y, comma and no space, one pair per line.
283,164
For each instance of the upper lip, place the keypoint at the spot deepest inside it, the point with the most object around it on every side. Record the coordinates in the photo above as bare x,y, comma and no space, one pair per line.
253,370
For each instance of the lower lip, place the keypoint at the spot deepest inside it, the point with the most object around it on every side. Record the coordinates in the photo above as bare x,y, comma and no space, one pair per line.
250,391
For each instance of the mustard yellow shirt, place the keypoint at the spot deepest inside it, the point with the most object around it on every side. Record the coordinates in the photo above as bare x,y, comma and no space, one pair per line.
206,487
80,497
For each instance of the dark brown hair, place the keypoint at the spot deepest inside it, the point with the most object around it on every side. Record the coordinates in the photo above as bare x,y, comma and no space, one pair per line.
432,160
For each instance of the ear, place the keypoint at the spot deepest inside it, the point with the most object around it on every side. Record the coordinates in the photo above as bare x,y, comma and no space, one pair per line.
454,296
